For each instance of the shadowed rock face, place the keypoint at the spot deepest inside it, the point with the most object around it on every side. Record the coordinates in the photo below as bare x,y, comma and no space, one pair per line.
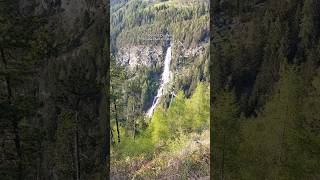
73,77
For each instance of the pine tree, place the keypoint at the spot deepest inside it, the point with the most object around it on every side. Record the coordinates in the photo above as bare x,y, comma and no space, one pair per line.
269,140
225,129
198,108
308,134
23,44
309,23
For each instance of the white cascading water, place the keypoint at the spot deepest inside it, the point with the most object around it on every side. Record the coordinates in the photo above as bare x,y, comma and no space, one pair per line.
165,78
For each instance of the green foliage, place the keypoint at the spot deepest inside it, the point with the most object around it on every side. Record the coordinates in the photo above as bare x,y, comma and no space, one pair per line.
159,126
198,107
39,93
184,115
168,132
24,43
185,108
180,157
142,145
269,56
309,30
226,122
308,135
176,113
65,144
187,23
272,134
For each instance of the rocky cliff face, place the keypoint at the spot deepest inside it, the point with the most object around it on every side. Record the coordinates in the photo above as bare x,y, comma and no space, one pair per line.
138,59
136,56
140,55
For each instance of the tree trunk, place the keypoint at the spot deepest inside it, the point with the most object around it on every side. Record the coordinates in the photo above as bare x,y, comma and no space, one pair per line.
134,123
7,79
18,148
39,160
222,162
238,6
117,121
112,138
282,154
76,144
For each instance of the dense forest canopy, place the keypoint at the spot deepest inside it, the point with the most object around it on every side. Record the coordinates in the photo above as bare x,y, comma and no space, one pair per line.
52,90
132,20
264,74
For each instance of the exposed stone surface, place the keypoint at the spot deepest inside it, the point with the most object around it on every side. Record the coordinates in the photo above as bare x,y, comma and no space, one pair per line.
133,56
146,56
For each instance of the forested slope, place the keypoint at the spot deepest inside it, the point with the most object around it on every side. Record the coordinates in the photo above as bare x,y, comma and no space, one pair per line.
265,76
141,146
53,107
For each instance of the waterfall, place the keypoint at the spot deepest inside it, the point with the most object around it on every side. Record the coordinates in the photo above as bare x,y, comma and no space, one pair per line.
165,78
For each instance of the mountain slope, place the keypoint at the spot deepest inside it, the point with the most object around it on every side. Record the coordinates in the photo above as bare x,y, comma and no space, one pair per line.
265,65
161,50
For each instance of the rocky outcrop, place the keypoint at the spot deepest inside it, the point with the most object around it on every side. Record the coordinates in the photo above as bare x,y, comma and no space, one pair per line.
140,55
147,56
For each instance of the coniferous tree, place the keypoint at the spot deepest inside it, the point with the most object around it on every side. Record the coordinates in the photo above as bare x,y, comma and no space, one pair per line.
269,140
23,44
225,136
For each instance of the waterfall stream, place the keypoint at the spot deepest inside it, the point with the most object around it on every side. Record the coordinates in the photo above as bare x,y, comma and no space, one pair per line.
165,78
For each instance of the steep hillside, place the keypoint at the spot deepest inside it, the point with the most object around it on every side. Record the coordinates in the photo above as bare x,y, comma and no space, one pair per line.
53,105
139,31
265,74
161,49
